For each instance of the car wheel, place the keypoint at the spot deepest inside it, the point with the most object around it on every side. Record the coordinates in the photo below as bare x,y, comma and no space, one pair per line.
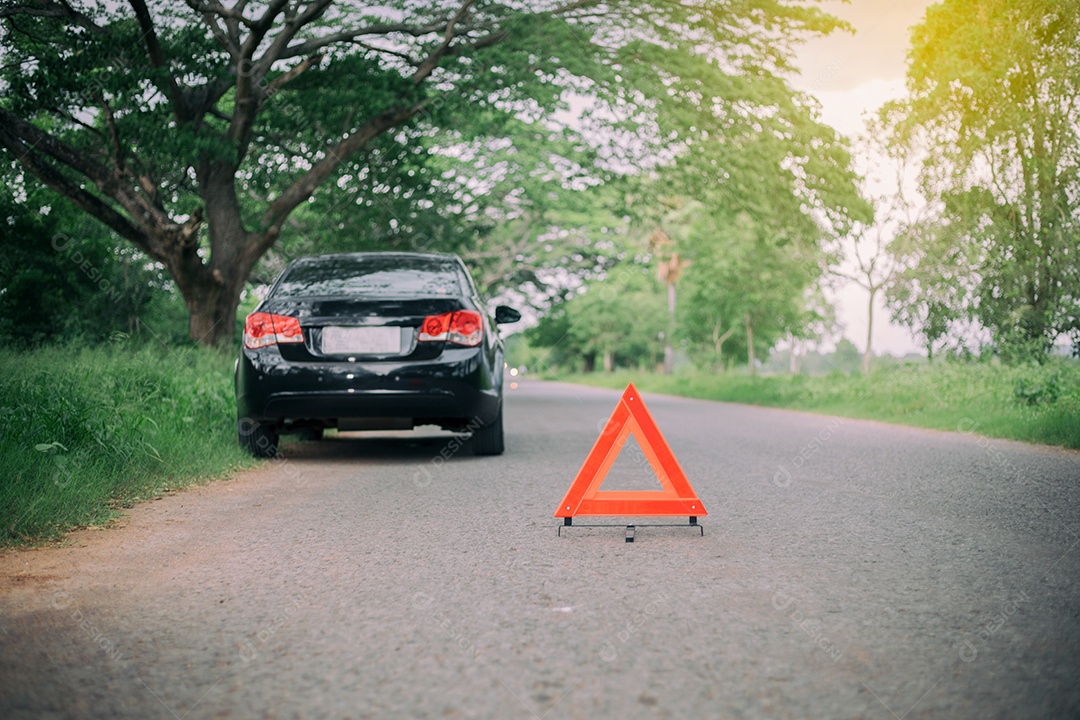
258,438
488,440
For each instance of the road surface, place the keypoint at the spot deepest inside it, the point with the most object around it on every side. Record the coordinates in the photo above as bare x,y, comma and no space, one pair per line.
848,570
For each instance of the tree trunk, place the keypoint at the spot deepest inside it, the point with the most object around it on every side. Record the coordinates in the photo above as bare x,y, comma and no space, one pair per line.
718,344
869,330
590,362
212,305
750,345
793,358
669,352
609,361
211,287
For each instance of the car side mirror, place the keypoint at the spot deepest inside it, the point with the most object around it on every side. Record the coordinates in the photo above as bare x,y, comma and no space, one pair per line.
506,314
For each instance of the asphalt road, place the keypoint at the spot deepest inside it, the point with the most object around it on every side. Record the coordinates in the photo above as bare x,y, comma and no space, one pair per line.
848,570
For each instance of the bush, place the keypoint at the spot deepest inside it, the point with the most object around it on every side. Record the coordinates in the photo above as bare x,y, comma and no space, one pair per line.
1037,390
65,278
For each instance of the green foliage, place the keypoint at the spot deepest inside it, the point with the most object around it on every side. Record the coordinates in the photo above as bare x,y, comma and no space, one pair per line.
934,287
771,187
87,431
618,322
993,101
846,358
63,277
1038,388
166,127
972,398
742,274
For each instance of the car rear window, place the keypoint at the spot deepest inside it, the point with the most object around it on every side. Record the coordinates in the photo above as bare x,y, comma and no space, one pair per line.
372,276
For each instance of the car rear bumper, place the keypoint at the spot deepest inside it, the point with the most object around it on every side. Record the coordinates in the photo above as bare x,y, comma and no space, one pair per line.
456,388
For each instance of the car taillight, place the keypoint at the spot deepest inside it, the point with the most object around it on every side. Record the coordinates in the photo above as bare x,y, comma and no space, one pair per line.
262,329
464,327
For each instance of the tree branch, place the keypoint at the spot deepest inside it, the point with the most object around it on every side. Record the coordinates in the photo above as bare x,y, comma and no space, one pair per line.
18,132
260,27
386,51
61,112
315,44
438,26
306,184
88,202
250,73
277,83
235,15
229,41
157,55
432,61
51,9
293,25
114,136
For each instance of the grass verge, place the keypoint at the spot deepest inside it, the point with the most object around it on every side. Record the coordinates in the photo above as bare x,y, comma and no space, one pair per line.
87,431
1037,404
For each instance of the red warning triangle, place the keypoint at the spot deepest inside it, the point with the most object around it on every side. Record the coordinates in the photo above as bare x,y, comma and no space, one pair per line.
631,417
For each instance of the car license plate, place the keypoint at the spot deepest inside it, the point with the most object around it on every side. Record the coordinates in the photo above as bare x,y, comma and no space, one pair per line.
361,340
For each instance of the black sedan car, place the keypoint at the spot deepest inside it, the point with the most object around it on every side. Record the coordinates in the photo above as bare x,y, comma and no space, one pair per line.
371,341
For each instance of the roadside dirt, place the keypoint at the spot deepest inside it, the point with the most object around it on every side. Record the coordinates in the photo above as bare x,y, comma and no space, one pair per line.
79,552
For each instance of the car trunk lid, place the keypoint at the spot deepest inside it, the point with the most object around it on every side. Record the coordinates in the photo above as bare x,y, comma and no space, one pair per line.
340,329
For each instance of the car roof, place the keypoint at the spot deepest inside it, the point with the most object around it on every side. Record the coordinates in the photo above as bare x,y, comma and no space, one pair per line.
330,257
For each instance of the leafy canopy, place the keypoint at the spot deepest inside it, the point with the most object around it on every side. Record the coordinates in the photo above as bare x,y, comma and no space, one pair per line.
993,107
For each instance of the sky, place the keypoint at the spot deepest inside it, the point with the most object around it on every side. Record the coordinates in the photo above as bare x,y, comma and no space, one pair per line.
852,75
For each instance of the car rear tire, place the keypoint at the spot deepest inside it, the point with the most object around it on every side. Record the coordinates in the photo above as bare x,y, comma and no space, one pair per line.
488,440
258,438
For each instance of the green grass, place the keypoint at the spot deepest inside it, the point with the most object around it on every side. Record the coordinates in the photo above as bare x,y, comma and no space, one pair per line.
1037,404
87,431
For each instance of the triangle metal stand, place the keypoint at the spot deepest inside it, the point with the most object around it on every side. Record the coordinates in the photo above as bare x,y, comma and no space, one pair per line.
630,529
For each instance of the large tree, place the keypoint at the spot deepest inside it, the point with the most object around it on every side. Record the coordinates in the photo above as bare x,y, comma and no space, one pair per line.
195,130
776,195
994,108
774,189
933,291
